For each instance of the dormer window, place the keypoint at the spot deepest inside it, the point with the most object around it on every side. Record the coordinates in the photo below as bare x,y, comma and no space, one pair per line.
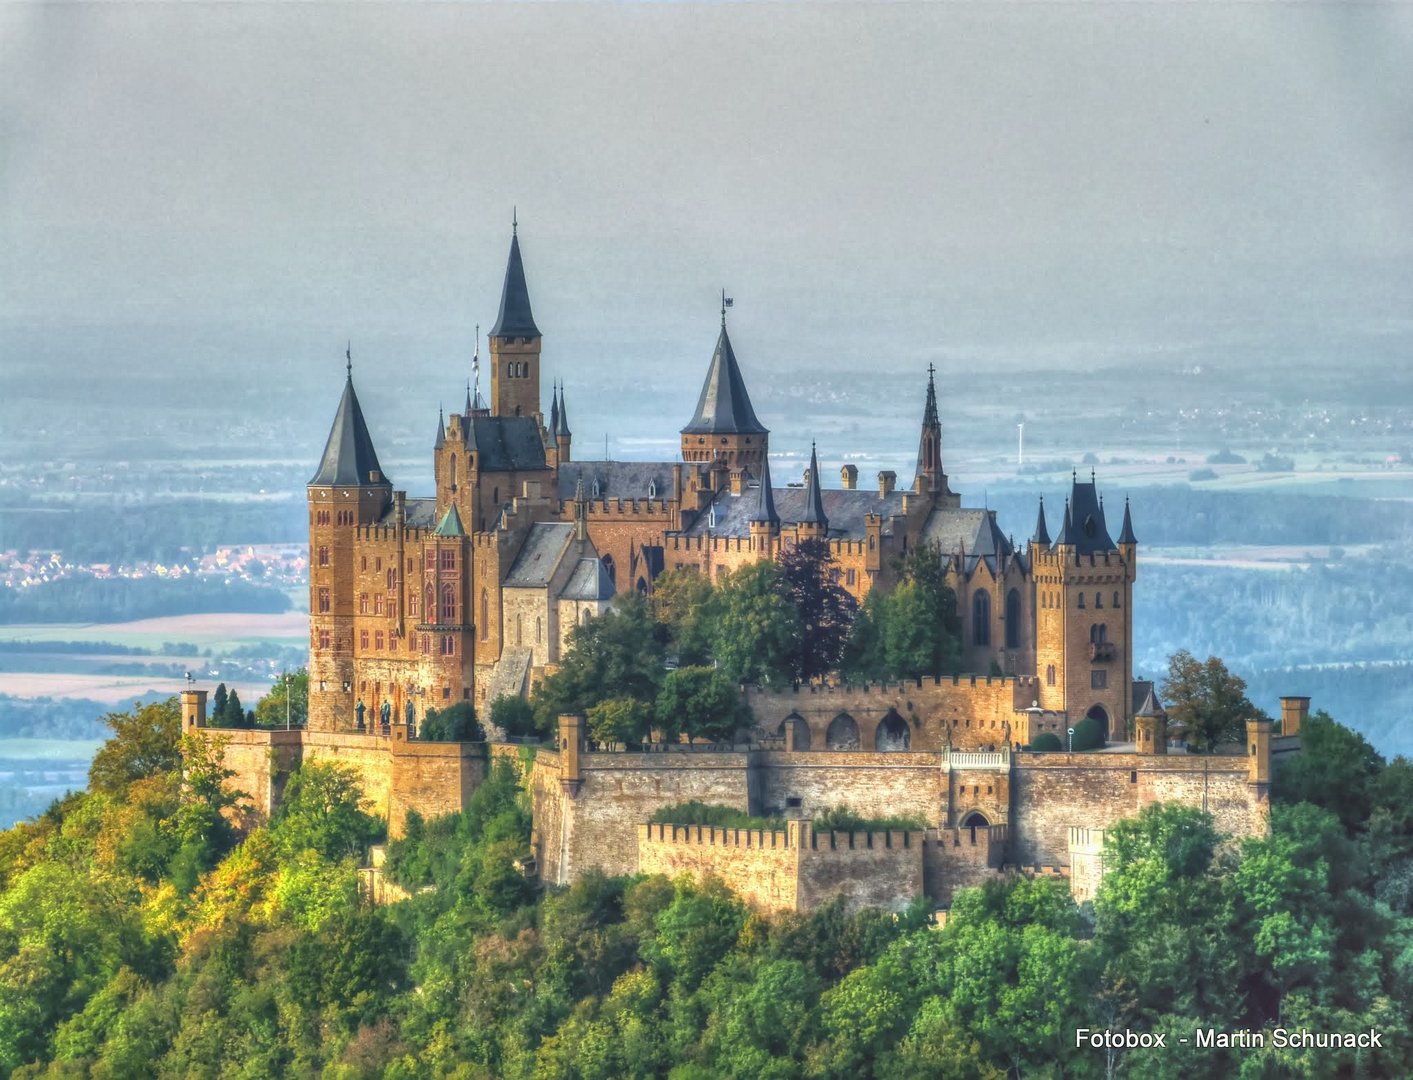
596,489
652,489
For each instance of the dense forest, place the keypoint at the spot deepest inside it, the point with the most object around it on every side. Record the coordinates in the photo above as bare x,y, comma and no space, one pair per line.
141,935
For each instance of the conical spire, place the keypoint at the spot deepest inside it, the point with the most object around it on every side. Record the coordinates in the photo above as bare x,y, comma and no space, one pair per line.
765,498
515,319
349,458
1126,535
468,397
1066,528
1042,533
814,498
929,412
562,429
928,475
450,524
554,409
441,430
724,407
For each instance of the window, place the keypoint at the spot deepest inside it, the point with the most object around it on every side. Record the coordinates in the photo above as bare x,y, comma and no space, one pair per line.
412,605
392,641
449,560
323,556
519,629
1081,601
392,580
1050,675
363,563
1116,600
430,604
426,644
378,563
609,569
363,603
981,619
1098,634
452,481
1098,679
363,640
849,577
1098,600
448,604
448,645
324,641
378,604
324,600
378,640
485,615
431,560
1013,619
539,631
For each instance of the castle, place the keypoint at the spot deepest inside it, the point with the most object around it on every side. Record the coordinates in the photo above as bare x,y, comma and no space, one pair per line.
471,593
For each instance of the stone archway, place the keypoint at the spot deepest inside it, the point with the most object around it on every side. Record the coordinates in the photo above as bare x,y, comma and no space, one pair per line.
802,730
892,733
843,733
1100,716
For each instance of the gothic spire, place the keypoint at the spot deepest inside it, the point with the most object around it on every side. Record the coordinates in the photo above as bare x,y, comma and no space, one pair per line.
563,428
515,319
554,408
441,430
1066,528
814,498
929,447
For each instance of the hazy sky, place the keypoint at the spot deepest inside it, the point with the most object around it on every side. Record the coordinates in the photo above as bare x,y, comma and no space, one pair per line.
975,184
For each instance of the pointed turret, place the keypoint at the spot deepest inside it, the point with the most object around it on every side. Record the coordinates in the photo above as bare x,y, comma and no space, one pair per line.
349,458
450,525
765,499
441,430
1086,529
469,405
562,428
1042,533
813,521
724,427
1066,527
554,409
1126,537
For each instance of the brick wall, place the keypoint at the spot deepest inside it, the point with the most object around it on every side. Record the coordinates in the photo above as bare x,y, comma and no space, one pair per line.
875,784
868,869
961,858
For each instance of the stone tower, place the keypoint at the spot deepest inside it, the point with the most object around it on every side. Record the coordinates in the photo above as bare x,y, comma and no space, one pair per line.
347,493
515,344
1083,621
930,479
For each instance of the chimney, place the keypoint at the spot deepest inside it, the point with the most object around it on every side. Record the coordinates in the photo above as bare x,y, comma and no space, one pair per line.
1294,712
887,480
849,477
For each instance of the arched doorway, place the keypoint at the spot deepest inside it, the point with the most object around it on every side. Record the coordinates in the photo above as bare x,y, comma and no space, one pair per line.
802,730
843,733
892,733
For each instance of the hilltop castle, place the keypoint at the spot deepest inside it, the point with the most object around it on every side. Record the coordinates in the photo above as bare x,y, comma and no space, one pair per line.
471,592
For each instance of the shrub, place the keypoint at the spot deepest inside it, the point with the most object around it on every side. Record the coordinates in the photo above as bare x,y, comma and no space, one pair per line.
513,715
456,723
1046,742
847,819
723,817
1087,735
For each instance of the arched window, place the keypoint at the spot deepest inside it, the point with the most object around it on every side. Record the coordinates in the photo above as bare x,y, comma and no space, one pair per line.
1013,619
448,604
1050,675
1081,601
452,479
485,615
519,629
609,569
431,604
981,619
1098,600
509,370
892,733
539,630
1116,600
843,733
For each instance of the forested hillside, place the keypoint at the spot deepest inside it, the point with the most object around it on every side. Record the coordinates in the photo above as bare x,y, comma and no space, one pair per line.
141,936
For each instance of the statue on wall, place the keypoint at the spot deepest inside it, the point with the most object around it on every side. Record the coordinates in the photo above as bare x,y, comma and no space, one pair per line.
360,709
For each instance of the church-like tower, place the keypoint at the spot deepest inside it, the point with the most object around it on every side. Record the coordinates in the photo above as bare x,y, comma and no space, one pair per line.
347,492
515,344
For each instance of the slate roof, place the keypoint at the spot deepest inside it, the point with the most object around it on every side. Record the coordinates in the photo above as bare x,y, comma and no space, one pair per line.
451,523
349,458
505,443
724,406
1084,521
765,501
814,504
972,532
589,581
540,555
845,510
1042,534
1145,698
515,319
1126,534
421,514
617,479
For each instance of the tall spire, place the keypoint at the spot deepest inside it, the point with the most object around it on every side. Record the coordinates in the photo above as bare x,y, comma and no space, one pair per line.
814,498
562,429
515,319
765,499
1042,533
554,408
724,407
929,476
441,430
1066,528
469,406
349,458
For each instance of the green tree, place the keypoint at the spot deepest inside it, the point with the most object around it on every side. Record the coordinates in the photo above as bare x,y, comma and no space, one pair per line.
144,743
620,720
1206,701
701,703
513,715
323,810
455,723
619,654
755,637
291,689
1336,769
684,601
910,631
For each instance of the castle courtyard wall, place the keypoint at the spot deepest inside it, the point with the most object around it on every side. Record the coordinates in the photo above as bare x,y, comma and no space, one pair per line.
874,784
868,869
1055,791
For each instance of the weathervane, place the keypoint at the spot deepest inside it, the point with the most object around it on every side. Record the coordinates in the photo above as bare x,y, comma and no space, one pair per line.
348,356
726,302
